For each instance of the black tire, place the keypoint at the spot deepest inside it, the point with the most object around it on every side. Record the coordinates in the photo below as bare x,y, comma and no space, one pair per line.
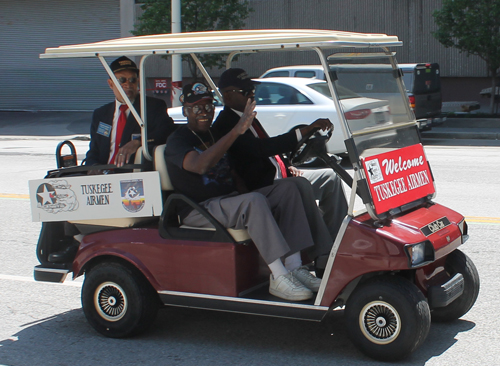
118,302
387,318
458,262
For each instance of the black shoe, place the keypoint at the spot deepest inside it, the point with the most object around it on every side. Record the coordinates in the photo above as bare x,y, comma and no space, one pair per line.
320,265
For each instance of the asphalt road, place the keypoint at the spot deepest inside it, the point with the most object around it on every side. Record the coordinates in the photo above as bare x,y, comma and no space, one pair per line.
43,324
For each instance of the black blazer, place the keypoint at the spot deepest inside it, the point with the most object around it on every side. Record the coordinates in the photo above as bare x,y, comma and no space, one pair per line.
251,154
160,125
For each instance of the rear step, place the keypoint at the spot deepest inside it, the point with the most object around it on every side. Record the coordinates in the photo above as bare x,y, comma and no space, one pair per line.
55,273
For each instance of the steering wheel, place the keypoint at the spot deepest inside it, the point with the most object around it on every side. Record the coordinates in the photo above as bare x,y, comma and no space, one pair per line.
309,146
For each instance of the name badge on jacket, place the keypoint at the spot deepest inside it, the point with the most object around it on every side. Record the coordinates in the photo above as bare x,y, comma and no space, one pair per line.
104,129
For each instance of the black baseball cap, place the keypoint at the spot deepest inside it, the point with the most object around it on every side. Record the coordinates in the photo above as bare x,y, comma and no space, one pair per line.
237,78
194,92
123,63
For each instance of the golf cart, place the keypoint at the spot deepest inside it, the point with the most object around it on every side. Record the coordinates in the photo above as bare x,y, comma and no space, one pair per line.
393,267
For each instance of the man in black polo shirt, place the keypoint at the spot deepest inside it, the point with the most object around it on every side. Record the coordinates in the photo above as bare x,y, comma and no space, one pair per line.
274,216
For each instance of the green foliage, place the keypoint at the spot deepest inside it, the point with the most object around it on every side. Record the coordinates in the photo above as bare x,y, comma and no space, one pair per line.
196,15
472,26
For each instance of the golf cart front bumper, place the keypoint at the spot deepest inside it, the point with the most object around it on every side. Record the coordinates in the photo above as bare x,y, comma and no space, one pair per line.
442,295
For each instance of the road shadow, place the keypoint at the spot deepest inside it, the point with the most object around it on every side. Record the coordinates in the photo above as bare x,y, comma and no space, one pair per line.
198,337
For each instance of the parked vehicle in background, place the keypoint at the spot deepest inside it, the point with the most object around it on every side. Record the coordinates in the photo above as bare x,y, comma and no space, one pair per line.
284,103
423,85
300,71
422,82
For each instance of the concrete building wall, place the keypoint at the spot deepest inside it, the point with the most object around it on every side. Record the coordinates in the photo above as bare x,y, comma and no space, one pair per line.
410,20
463,77
27,28
31,83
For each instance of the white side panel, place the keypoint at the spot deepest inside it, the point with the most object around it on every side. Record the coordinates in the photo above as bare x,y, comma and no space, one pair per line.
95,197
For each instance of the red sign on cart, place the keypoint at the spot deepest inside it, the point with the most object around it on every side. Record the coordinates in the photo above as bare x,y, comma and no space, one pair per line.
398,177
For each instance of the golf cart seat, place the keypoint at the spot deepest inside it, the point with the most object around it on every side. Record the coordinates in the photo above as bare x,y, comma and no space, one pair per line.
169,216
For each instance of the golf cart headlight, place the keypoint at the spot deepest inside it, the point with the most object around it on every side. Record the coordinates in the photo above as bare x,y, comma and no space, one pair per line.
420,254
464,230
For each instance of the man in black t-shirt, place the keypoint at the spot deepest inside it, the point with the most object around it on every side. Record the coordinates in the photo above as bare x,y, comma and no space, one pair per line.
274,216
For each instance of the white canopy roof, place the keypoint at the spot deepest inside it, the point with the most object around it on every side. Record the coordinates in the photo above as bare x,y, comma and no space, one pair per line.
224,42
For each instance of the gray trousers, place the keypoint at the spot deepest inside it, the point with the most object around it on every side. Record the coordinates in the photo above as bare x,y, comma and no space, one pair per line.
328,190
274,217
322,239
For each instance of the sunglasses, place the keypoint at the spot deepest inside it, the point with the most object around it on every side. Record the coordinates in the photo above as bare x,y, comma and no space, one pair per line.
197,109
245,92
123,80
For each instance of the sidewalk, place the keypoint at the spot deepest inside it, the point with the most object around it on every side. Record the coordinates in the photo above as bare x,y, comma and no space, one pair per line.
45,123
466,128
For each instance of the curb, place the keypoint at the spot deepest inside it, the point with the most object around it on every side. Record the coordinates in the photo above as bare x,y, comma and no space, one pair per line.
471,123
462,135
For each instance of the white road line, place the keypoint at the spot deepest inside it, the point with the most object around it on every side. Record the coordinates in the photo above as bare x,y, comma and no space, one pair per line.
69,282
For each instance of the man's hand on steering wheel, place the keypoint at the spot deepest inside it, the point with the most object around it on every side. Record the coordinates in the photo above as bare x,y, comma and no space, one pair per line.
304,147
320,124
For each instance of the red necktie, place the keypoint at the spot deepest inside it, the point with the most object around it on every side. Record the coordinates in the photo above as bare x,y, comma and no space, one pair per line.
262,134
122,120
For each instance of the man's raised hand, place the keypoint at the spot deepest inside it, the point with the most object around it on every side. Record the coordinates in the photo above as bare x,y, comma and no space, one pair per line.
247,118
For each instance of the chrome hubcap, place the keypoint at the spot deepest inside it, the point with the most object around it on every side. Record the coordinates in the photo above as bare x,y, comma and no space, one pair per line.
110,301
380,322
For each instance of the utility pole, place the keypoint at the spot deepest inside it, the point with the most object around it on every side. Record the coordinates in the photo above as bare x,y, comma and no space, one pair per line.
176,59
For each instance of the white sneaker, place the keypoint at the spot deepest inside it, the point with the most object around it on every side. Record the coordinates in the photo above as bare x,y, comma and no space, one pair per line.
289,288
307,279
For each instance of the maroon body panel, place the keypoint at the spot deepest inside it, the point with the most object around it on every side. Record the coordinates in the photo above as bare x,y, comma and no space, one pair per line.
223,269
367,249
227,269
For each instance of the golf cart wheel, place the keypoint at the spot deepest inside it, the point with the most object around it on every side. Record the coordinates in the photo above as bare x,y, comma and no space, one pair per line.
387,318
118,302
458,262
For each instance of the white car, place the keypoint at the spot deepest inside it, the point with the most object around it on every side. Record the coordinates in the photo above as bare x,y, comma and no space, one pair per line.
426,104
297,71
284,103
